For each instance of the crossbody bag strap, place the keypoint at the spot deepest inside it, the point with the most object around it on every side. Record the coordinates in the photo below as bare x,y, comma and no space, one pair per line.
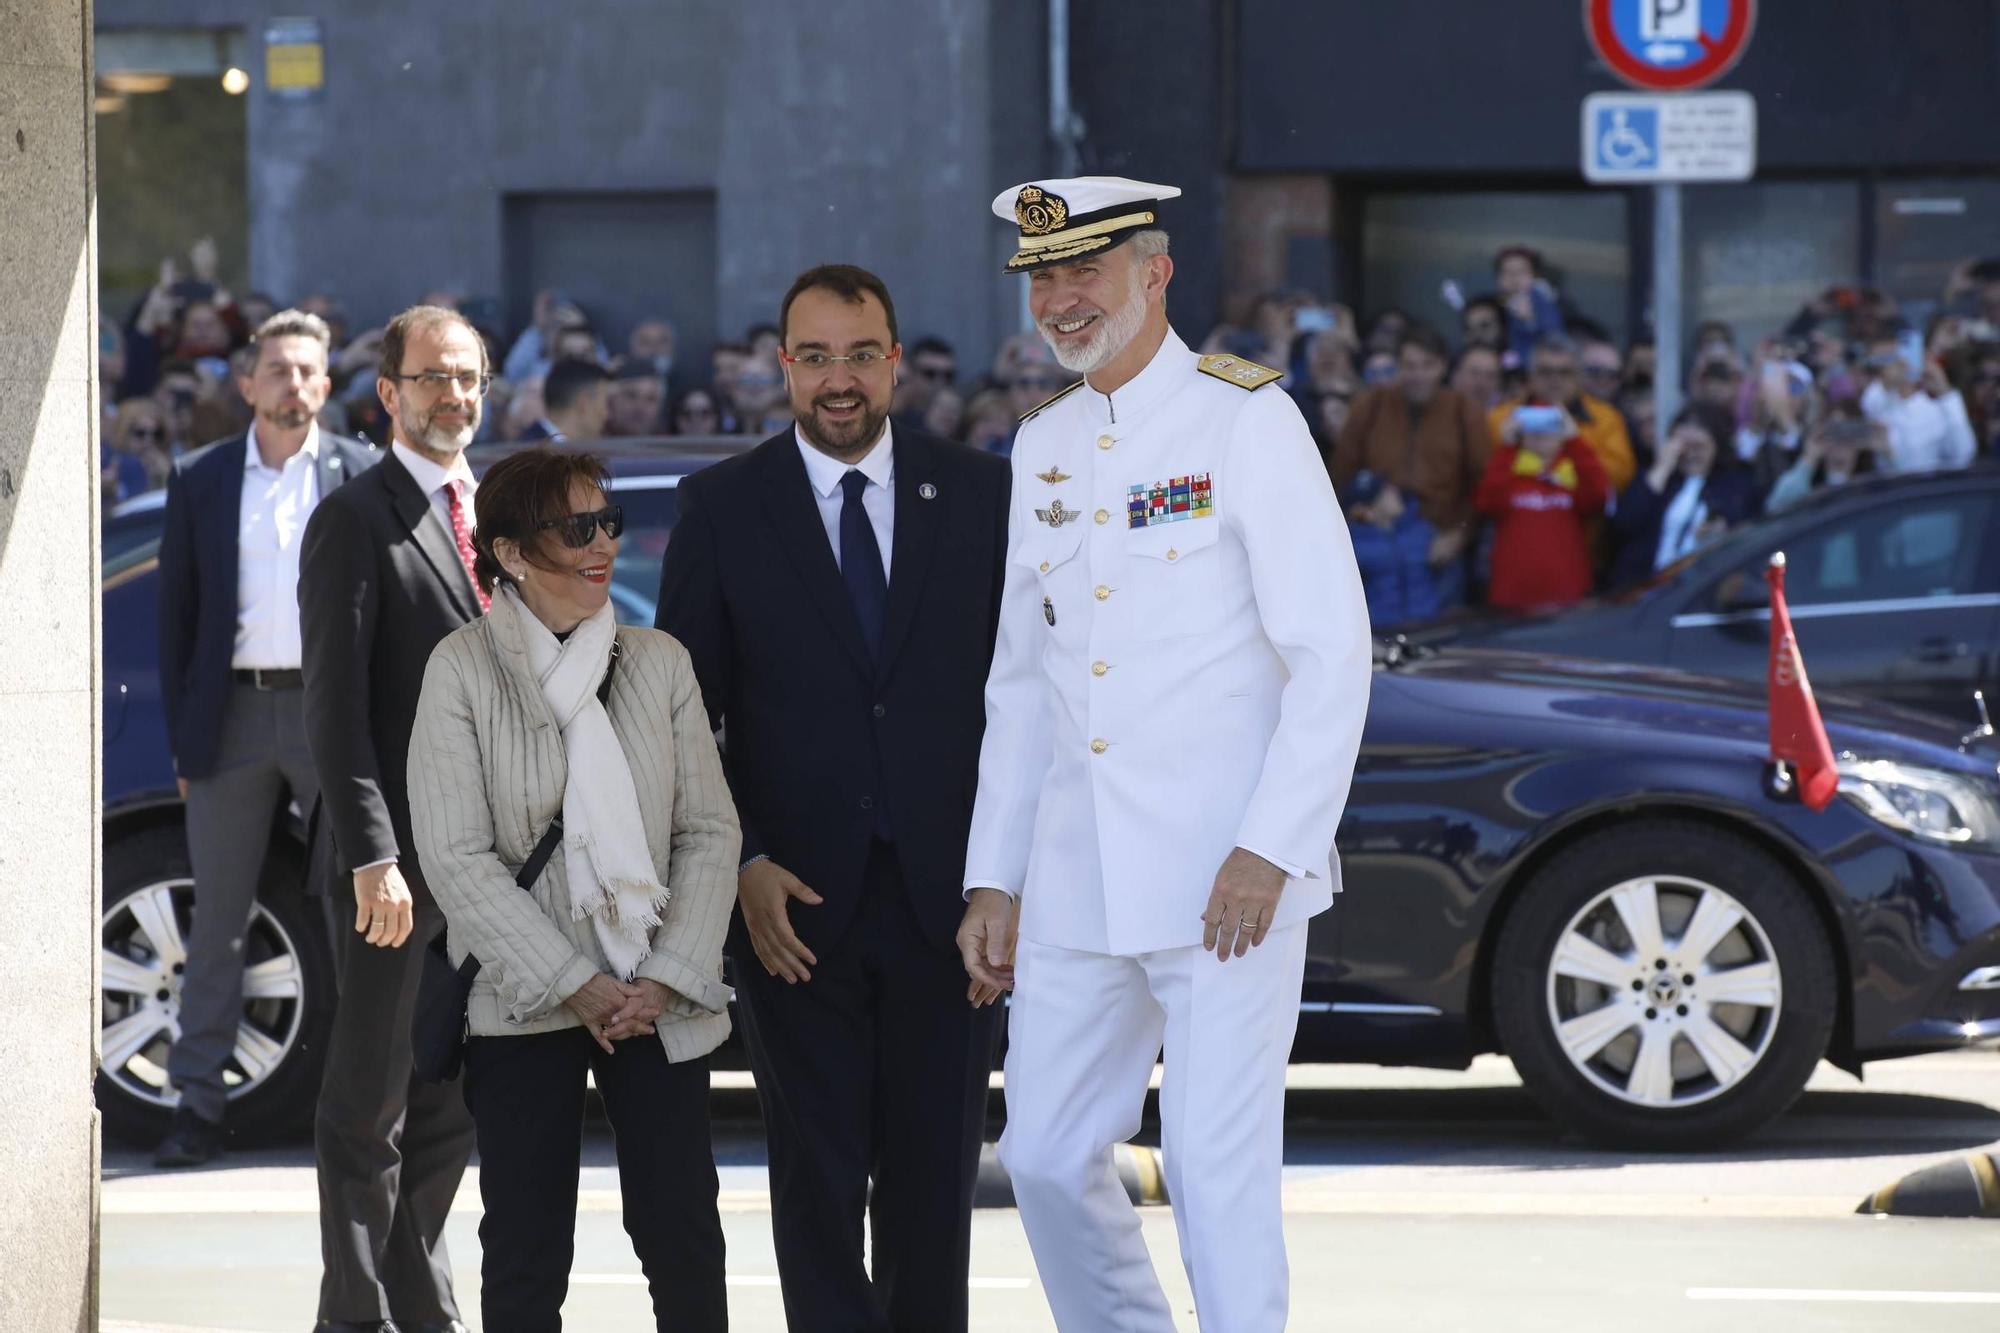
538,860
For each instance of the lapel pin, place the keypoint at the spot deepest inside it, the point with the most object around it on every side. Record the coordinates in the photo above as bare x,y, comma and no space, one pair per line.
1048,610
927,491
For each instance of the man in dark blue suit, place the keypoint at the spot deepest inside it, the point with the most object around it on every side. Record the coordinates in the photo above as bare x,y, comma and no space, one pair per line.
230,683
838,588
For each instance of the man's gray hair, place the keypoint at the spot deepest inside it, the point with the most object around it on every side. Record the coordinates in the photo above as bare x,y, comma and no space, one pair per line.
294,324
1145,244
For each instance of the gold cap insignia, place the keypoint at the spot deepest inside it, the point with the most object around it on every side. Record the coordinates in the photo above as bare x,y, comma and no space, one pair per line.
1038,211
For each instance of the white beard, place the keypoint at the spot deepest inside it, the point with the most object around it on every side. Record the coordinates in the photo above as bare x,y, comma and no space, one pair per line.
1114,331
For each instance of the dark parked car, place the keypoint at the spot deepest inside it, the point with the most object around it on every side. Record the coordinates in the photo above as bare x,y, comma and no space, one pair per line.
1893,584
1579,863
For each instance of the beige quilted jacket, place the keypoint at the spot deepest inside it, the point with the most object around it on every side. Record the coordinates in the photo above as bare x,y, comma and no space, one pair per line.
487,771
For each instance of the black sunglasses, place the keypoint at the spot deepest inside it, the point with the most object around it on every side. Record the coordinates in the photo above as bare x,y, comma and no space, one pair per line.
577,529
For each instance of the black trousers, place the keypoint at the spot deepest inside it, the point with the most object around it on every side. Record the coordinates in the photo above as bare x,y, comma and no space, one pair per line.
877,1068
526,1095
390,1147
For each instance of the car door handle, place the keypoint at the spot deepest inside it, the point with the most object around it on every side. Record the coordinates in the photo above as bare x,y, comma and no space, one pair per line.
1939,649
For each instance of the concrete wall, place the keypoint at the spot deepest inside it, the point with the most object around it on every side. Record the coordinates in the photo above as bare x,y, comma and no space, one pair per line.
861,131
48,671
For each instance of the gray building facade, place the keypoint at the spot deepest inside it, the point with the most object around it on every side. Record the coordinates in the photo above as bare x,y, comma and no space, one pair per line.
674,157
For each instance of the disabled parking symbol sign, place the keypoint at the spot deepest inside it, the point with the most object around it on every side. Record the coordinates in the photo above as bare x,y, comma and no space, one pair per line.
1641,138
1626,138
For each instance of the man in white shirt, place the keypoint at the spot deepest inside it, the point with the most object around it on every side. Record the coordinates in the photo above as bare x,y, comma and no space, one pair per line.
1929,430
230,683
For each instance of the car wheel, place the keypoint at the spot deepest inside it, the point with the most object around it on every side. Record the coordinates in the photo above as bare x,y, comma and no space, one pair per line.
273,1074
1664,985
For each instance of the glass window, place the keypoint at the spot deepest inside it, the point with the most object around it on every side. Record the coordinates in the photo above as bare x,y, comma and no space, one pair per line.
1907,552
1757,252
1413,242
1923,228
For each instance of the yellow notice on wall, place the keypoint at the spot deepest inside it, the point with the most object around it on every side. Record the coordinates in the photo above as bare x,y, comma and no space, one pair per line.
295,67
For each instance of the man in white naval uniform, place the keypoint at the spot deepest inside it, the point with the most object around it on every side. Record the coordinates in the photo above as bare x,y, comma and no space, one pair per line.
1172,719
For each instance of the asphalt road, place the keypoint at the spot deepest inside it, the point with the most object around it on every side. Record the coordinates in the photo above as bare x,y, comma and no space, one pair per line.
1415,1201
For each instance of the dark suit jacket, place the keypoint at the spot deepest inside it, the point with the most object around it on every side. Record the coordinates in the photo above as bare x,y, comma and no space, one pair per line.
814,733
380,583
198,594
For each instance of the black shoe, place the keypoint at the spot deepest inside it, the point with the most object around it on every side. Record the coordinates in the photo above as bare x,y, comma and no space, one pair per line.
190,1141
442,1326
367,1326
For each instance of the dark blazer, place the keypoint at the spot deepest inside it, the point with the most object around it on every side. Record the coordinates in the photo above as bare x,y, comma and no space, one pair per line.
198,593
380,583
814,733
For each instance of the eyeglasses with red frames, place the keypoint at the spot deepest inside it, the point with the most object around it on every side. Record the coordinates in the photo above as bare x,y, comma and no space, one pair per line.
820,362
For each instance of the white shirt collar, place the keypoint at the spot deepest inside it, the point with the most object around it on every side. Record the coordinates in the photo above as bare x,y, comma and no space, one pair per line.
1166,372
824,471
431,477
253,458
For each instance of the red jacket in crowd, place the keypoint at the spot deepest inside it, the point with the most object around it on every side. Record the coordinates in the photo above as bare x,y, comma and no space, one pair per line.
1541,546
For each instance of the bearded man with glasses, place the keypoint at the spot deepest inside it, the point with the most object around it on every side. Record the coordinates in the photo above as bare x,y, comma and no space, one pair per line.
837,588
385,573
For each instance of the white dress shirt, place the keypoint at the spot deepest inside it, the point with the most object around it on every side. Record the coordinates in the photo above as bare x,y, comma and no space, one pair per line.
878,497
1926,434
270,521
431,479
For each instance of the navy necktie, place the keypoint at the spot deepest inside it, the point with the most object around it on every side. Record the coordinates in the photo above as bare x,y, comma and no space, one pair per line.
861,562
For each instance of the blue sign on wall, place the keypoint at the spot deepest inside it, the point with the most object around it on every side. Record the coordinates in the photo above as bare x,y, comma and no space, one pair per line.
1669,45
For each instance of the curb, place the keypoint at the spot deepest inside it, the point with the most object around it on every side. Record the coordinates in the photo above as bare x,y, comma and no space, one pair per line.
1138,1171
1966,1186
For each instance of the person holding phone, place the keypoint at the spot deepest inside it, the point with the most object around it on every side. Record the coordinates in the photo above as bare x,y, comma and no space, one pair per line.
1929,428
1543,485
1844,446
1696,490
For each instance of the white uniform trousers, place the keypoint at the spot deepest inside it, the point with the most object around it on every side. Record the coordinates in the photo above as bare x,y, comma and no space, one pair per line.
1082,1034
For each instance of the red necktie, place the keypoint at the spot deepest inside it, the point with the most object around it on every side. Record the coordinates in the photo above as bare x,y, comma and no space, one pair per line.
461,533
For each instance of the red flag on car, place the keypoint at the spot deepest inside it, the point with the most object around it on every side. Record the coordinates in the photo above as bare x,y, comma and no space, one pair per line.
1798,737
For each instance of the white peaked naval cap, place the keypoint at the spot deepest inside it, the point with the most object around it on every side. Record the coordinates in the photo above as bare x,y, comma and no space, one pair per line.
1061,220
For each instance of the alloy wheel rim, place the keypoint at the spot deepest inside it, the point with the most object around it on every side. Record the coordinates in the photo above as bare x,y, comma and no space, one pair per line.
143,946
1664,992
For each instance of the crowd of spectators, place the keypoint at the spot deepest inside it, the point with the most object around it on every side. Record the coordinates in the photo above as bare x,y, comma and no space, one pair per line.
169,369
1453,493
1518,464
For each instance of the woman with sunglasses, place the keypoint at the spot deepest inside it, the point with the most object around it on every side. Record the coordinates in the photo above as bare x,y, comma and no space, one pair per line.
610,964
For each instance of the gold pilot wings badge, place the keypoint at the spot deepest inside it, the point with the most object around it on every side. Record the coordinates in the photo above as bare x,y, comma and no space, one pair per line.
1055,476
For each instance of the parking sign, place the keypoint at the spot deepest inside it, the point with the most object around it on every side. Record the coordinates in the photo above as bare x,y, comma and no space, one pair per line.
1669,45
1643,138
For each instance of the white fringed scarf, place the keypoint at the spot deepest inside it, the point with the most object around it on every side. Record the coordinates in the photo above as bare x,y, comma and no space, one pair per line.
611,875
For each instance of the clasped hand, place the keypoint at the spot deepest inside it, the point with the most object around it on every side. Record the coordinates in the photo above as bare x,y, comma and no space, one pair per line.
613,1010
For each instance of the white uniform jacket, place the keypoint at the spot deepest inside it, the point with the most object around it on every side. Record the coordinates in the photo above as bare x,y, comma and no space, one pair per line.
1182,667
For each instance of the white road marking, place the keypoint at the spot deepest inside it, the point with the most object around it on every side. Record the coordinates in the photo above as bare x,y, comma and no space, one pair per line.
769,1280
1838,1295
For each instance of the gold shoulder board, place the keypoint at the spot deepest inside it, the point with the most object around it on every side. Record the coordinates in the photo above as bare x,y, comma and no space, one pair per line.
1243,374
1058,396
